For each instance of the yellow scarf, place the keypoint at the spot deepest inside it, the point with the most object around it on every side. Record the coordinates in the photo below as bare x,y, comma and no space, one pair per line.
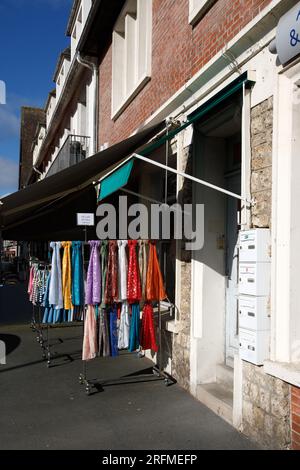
67,276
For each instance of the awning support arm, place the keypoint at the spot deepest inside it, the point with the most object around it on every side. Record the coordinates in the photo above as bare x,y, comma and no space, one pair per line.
192,178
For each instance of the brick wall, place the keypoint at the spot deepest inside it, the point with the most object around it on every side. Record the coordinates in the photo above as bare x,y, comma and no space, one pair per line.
178,52
295,417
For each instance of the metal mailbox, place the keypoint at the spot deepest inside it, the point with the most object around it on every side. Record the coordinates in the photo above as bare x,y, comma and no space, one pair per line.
254,346
254,246
254,279
254,313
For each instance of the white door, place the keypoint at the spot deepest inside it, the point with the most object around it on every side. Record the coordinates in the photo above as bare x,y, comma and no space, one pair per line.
232,264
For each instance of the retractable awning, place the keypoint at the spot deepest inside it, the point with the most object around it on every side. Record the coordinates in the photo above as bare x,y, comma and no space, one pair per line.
119,176
20,209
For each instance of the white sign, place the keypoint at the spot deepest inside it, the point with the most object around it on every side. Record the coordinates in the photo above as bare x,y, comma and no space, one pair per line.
86,219
288,35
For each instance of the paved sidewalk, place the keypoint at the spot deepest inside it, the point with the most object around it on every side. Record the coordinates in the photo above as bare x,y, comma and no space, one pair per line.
45,408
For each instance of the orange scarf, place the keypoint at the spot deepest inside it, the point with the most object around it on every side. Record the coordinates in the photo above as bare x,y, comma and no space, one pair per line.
155,289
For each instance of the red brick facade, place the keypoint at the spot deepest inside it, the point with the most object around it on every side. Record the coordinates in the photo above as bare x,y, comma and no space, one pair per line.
178,52
295,417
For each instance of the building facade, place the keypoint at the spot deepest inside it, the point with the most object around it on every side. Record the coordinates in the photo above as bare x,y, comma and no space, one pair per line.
169,60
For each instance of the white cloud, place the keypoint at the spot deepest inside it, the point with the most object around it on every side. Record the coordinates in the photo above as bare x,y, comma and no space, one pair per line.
9,174
9,115
9,122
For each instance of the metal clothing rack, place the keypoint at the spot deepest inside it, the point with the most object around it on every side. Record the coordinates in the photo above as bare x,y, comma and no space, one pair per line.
37,327
157,369
43,330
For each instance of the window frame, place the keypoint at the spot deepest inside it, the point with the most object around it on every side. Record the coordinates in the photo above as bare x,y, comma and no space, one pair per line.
198,8
118,104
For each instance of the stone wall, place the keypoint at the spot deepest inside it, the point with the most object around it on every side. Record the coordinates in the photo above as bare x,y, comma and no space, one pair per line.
266,400
261,162
266,408
181,341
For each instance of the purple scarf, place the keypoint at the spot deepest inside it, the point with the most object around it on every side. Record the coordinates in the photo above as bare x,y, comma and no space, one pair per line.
93,282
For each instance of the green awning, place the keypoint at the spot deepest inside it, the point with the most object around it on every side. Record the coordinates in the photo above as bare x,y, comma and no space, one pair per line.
229,90
115,180
119,177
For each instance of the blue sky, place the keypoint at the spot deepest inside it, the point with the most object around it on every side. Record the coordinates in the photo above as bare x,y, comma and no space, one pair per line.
32,34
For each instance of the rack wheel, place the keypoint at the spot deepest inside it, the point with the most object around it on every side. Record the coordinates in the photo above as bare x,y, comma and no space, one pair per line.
44,356
87,390
155,372
141,355
81,380
48,364
168,382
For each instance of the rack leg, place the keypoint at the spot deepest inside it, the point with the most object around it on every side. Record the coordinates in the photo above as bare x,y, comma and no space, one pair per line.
83,376
158,369
48,349
83,379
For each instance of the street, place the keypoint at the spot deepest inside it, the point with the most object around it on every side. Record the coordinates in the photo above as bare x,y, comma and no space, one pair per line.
45,408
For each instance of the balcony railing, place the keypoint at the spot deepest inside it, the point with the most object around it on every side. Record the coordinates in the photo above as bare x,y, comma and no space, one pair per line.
74,150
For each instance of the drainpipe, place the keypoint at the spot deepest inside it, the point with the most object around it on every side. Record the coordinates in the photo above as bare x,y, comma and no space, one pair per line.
94,69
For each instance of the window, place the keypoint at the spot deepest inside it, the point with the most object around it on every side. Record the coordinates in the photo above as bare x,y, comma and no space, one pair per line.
79,17
198,8
131,63
74,33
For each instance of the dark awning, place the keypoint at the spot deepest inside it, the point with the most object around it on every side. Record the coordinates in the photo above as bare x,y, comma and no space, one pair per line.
46,196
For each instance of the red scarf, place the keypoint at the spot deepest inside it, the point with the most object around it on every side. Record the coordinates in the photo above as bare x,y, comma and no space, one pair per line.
134,290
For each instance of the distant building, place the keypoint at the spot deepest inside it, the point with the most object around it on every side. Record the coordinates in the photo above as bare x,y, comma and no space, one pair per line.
31,118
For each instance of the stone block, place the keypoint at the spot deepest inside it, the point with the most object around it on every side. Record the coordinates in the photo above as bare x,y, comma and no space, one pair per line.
261,179
280,406
254,394
261,211
262,138
258,125
265,400
281,388
261,156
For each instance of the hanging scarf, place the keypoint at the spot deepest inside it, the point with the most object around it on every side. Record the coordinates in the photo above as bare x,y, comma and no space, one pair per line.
143,265
104,255
35,283
93,283
104,340
154,285
134,291
113,317
67,275
89,348
111,287
77,274
55,293
46,304
123,268
147,338
124,327
39,286
29,290
134,340
34,272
